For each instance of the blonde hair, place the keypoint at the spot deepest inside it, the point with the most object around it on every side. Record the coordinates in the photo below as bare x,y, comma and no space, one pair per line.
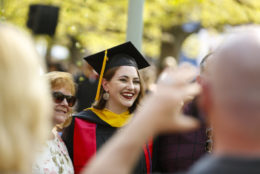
59,80
25,101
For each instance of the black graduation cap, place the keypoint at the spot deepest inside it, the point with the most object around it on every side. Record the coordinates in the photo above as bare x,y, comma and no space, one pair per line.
121,55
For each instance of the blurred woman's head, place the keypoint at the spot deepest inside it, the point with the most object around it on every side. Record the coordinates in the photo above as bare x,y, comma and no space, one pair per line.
25,101
124,86
63,93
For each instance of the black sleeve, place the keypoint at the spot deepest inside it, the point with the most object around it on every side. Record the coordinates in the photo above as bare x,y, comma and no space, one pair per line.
67,137
156,168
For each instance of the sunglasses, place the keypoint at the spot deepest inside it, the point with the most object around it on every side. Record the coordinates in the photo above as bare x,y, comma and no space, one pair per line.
59,97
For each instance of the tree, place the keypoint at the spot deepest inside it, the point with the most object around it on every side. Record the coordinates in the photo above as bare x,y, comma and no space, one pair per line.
171,15
89,24
99,24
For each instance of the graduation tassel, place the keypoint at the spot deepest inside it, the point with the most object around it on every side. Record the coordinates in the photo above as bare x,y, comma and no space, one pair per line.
101,76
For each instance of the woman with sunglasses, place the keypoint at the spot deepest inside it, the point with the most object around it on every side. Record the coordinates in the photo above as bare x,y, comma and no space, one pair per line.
118,94
54,157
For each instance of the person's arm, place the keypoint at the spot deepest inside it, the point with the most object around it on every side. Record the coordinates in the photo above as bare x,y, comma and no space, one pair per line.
160,113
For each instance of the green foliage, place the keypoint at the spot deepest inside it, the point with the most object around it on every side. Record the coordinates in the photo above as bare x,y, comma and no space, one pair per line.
97,24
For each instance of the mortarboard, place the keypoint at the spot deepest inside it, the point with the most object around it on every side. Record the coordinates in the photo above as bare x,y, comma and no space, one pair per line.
121,55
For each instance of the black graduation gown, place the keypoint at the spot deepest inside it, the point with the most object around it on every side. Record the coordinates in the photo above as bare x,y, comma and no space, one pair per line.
86,91
87,133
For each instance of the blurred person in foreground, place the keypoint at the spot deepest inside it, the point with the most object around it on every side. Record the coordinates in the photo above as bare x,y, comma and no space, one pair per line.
54,157
230,99
25,102
176,152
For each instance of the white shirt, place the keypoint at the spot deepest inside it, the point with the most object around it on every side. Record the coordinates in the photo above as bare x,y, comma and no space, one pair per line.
53,158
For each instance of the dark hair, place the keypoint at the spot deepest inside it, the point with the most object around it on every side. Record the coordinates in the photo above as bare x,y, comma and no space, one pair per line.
101,103
204,60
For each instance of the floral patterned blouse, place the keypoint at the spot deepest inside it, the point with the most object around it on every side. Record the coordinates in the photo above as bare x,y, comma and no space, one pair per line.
53,158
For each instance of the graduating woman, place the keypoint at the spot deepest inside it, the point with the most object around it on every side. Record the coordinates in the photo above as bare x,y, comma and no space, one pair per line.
118,94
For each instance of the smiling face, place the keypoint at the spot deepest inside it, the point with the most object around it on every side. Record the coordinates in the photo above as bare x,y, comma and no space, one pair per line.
123,88
61,110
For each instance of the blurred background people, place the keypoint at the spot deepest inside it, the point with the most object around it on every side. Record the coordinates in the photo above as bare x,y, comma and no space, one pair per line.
149,76
169,62
87,82
54,157
177,152
121,91
25,101
56,67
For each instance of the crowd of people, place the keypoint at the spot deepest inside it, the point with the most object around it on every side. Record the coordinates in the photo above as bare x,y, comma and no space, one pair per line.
191,122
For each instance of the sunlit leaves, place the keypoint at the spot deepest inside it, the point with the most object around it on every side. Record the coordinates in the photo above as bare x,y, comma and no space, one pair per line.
97,24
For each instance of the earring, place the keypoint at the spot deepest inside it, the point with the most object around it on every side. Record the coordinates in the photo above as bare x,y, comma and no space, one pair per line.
106,96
